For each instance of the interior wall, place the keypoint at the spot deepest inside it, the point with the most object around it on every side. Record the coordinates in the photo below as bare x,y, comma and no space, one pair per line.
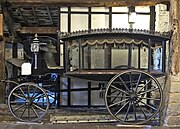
173,92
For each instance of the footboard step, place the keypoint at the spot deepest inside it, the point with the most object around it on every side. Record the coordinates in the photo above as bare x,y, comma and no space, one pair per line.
81,119
29,123
134,126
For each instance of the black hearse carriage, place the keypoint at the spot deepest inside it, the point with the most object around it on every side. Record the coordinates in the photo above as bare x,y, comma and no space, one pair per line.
126,62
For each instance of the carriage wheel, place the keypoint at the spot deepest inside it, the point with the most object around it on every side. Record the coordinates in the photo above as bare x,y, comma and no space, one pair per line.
133,97
28,102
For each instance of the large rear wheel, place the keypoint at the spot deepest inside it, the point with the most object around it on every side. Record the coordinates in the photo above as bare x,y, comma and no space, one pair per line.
133,97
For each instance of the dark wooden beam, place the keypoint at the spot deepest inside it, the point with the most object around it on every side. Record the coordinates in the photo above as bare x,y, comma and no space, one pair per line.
37,30
50,16
87,3
152,17
35,15
23,17
8,21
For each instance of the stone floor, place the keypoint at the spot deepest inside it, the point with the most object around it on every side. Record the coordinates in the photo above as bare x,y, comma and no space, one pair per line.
12,125
7,121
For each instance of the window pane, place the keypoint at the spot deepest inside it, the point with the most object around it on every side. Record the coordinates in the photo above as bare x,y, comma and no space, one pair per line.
20,51
64,83
79,9
78,84
79,98
79,22
64,9
64,98
64,22
144,9
100,21
100,9
95,99
142,25
120,21
119,9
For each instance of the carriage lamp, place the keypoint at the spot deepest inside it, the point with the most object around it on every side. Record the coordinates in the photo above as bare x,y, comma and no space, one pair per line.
131,16
35,49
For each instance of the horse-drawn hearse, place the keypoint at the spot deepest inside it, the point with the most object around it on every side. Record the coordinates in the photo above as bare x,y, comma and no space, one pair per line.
125,62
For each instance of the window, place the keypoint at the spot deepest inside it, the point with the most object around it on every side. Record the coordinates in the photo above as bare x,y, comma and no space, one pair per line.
83,18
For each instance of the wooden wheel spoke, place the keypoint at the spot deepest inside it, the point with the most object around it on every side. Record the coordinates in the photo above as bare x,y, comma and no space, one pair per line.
38,97
115,96
121,108
28,91
18,96
127,112
37,106
149,105
134,109
23,112
139,78
29,113
142,111
34,92
35,112
21,106
148,98
130,80
118,103
144,92
22,92
114,91
124,84
145,85
120,89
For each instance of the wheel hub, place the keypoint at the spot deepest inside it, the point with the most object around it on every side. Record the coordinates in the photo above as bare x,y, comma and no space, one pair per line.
28,103
133,97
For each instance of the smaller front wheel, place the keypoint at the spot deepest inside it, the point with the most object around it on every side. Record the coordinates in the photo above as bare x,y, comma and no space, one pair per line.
28,102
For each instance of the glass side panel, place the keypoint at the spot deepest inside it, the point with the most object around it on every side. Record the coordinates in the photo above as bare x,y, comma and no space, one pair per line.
85,57
106,56
119,57
144,58
97,57
134,60
73,56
